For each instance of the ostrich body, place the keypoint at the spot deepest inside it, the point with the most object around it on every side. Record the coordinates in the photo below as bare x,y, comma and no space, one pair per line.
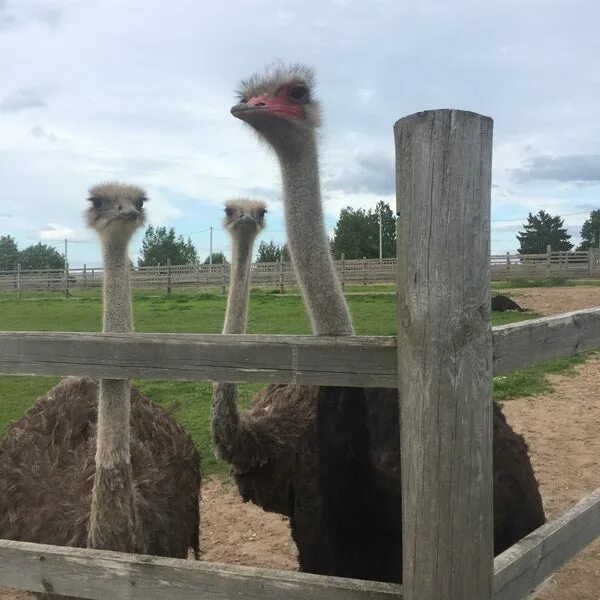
503,303
345,483
81,468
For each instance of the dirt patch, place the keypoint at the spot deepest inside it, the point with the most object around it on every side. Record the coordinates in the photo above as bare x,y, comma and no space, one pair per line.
561,427
551,301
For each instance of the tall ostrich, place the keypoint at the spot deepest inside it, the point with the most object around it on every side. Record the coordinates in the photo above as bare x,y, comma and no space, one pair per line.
244,220
346,479
72,477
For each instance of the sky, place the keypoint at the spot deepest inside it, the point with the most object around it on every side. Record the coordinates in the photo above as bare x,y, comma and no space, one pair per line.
140,91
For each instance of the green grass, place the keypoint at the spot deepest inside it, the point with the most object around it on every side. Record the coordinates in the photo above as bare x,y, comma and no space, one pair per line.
536,283
199,312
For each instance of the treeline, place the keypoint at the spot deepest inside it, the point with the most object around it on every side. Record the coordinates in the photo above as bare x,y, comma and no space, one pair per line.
355,235
37,256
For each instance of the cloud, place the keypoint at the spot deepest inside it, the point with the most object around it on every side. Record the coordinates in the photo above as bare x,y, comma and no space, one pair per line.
52,231
371,173
21,100
40,133
569,168
21,12
6,215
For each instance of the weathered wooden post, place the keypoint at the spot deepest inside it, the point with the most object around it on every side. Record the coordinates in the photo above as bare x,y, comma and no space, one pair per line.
548,261
343,278
223,280
84,275
168,275
507,262
19,281
443,187
364,270
48,276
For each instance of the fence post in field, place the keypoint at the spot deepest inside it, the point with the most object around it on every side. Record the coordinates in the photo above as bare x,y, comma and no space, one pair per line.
168,275
92,278
48,276
443,190
19,281
223,280
508,261
66,276
196,274
548,260
84,275
343,278
281,287
591,260
364,270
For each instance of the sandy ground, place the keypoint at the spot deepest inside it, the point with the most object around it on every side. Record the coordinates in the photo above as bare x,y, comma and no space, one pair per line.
561,427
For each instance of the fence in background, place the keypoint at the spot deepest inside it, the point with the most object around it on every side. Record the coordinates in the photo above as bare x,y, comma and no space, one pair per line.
566,265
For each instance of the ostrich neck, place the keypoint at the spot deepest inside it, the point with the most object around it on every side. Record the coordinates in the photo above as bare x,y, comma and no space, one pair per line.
113,519
308,243
226,419
118,315
237,301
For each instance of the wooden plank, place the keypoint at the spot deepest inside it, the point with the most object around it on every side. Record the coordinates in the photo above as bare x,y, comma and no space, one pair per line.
443,190
529,562
356,361
282,359
528,343
100,574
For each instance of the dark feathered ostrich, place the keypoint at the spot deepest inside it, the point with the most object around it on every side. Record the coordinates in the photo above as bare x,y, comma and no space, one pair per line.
345,484
503,303
100,465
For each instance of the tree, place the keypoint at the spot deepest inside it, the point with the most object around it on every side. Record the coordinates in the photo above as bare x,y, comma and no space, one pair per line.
272,252
590,231
40,256
356,233
9,253
218,258
542,230
159,245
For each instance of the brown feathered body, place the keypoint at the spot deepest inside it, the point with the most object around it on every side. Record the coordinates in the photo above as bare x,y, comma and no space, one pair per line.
47,467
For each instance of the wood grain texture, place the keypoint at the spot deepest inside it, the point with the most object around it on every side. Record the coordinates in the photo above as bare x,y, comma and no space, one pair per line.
443,186
360,361
100,575
529,562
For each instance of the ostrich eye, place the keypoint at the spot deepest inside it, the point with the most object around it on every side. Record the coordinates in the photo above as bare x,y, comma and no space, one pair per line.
298,93
229,212
261,214
97,203
139,204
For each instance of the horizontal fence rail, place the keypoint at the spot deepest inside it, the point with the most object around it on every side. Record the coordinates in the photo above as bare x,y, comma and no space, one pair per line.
100,574
353,272
357,360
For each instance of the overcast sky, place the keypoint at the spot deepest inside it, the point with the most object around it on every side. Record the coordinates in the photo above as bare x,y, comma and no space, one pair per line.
140,90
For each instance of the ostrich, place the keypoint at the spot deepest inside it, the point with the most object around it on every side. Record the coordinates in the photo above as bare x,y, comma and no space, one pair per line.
504,303
72,472
244,220
345,484
259,443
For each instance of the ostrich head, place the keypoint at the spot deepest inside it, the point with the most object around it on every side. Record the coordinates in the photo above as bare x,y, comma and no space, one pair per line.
116,209
244,215
279,104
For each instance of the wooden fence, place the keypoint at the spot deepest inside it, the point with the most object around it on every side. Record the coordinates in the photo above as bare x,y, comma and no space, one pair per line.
565,265
442,363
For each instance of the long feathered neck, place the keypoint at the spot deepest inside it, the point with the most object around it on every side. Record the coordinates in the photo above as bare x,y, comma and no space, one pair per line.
113,520
307,237
226,416
236,315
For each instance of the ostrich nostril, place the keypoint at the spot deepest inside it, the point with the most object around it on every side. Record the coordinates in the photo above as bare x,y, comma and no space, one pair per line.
120,208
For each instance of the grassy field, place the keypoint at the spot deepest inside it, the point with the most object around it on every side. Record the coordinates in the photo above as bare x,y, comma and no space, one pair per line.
373,310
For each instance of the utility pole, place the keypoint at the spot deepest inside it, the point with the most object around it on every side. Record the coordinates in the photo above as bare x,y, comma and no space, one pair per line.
380,234
210,248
